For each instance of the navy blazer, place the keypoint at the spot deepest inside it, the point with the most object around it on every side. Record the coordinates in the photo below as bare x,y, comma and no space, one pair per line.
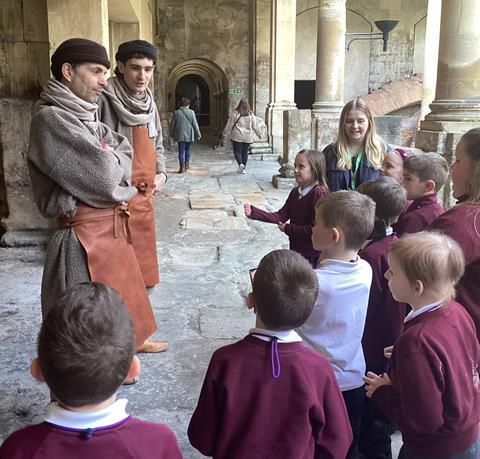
342,180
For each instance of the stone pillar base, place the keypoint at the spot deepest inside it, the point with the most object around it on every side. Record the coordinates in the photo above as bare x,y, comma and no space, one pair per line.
324,131
327,109
283,183
25,238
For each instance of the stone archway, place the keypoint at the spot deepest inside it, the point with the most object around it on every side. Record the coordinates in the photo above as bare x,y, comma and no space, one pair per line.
216,80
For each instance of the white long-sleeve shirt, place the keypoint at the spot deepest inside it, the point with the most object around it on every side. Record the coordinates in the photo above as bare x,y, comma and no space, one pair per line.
335,327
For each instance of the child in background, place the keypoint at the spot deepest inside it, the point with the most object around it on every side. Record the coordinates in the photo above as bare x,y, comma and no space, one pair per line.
423,176
299,209
86,349
433,394
357,154
462,222
392,165
343,222
268,396
385,315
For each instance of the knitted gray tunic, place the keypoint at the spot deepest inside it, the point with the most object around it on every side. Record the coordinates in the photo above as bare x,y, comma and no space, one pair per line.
67,163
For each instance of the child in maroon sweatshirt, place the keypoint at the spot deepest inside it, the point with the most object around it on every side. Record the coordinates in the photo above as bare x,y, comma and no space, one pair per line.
462,222
385,315
268,396
86,349
299,209
433,394
423,176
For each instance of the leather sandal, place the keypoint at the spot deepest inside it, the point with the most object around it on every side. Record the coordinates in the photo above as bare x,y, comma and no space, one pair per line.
153,345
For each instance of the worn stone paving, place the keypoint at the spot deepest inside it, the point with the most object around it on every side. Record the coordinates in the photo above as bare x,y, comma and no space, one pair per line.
205,248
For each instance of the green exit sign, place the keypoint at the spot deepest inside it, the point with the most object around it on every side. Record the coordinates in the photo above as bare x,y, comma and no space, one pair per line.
235,90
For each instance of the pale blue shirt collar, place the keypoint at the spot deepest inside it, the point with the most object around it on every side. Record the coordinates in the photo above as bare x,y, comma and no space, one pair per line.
423,310
286,336
111,415
304,191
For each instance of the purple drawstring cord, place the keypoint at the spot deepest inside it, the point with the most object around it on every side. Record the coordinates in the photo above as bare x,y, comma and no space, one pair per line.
274,353
276,357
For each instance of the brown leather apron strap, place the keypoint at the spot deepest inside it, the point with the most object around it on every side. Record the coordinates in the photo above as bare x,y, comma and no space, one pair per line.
123,213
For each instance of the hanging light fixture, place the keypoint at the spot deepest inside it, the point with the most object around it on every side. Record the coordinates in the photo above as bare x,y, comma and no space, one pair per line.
385,27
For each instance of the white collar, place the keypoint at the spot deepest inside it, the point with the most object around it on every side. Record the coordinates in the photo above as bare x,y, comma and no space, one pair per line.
111,415
304,191
388,232
286,336
424,309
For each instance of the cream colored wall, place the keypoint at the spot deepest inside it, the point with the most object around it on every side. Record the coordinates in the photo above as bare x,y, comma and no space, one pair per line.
24,64
77,18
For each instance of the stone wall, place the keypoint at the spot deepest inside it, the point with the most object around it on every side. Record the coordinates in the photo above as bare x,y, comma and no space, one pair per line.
217,30
369,68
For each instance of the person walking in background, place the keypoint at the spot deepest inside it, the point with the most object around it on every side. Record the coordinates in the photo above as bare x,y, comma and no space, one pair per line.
184,129
357,154
242,128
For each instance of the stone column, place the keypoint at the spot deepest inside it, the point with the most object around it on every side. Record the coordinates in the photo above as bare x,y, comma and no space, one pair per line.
457,96
329,87
456,107
260,67
432,37
282,68
25,67
87,19
332,25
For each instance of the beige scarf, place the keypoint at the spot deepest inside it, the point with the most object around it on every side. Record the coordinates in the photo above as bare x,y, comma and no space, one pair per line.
56,93
131,109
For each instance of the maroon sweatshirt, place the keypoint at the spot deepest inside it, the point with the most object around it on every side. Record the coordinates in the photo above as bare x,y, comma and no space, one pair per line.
244,412
419,215
435,393
385,315
127,439
462,223
301,213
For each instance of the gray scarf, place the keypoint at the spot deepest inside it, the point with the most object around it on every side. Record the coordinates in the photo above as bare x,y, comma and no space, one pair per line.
131,109
56,93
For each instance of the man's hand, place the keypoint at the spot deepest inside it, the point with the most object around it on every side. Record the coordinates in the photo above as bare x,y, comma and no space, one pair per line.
158,183
373,382
387,352
281,226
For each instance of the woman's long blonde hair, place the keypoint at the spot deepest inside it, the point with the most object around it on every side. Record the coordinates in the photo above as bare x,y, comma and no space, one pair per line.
373,145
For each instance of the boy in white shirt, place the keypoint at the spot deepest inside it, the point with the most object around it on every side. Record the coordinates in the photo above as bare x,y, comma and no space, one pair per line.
343,222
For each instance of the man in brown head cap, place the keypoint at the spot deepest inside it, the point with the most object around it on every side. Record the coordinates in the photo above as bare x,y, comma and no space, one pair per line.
127,107
81,176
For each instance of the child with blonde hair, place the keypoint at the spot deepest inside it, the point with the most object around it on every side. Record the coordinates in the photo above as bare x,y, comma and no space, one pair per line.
357,154
392,165
299,209
462,222
433,392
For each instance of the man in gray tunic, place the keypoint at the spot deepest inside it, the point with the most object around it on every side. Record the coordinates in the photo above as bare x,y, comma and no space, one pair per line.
80,172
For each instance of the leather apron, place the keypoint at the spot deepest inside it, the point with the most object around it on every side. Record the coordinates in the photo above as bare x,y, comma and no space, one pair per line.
141,221
111,259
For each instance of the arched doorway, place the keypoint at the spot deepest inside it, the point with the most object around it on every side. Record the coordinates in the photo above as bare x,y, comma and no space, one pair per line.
202,75
196,89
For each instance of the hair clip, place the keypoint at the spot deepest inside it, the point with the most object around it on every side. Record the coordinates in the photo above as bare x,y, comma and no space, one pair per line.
402,152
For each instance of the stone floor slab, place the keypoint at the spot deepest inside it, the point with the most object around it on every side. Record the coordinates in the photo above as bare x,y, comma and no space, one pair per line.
205,200
250,198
